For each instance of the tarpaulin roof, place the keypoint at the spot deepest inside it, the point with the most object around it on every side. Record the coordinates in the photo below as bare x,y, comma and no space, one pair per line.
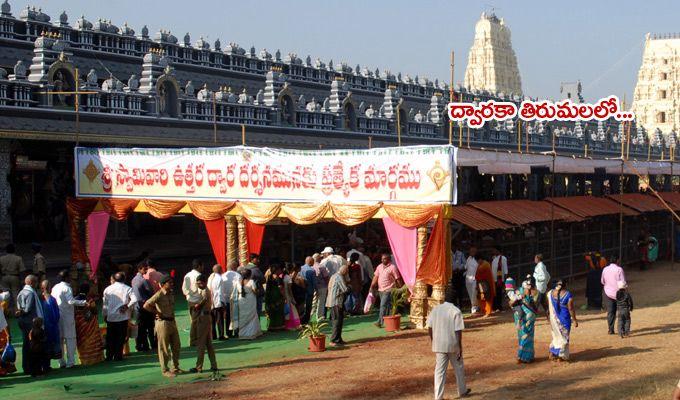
476,219
638,201
590,206
523,212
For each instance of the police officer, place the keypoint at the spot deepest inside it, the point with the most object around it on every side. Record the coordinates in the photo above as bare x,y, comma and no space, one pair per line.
162,305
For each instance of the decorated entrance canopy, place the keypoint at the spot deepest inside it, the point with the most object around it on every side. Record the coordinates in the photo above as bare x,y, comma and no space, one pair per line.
417,174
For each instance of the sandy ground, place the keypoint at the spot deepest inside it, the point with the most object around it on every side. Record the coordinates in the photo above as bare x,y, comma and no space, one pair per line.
643,366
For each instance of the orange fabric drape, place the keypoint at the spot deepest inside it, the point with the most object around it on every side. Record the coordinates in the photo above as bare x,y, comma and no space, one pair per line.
259,213
354,214
305,213
163,209
77,211
210,210
411,215
432,270
119,209
217,233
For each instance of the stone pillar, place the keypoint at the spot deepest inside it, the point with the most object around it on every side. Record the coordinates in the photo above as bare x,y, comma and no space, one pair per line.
242,241
5,193
419,302
232,239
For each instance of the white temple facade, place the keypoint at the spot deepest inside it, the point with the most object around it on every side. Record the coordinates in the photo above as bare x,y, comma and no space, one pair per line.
492,63
656,101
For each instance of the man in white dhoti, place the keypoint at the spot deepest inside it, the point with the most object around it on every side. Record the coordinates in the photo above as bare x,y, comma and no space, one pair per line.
63,293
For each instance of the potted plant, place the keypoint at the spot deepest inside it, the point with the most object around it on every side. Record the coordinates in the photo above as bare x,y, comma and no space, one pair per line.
399,299
317,339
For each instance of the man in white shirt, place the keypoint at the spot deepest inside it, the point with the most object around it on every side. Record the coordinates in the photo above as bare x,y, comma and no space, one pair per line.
542,278
63,293
119,302
445,326
191,292
470,280
217,310
499,270
229,279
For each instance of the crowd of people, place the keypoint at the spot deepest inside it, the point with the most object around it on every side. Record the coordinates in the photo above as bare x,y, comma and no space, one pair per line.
58,322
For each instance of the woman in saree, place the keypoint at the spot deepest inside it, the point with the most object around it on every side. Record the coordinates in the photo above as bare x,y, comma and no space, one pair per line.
562,314
244,303
292,314
5,367
354,302
88,335
525,320
274,298
51,323
486,287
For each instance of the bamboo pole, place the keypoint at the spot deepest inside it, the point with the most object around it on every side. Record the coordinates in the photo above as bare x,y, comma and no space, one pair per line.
519,138
451,98
243,134
214,109
398,127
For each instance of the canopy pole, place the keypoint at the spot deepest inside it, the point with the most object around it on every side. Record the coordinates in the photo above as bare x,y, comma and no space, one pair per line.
370,142
552,218
672,219
451,99
399,126
621,211
214,109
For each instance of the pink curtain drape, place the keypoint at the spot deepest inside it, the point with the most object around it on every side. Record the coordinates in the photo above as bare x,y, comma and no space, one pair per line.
217,232
97,225
404,245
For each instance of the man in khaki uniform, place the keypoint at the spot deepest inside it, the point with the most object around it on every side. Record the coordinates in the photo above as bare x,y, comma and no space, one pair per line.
162,305
11,266
202,312
39,263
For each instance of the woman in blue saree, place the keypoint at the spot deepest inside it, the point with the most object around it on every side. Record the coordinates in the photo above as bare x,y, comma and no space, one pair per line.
51,322
562,314
525,320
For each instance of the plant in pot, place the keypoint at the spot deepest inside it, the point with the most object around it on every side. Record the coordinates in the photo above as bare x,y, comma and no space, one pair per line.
399,299
317,339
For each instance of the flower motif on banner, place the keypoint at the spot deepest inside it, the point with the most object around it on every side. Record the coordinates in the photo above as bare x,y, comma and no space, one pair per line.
91,171
438,175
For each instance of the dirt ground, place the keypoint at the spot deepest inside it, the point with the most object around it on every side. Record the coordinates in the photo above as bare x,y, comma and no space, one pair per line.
644,366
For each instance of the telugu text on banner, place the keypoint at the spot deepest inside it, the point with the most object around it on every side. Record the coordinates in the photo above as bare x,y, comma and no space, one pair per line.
420,174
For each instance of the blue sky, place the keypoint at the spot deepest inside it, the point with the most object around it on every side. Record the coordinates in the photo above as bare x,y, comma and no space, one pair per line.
598,42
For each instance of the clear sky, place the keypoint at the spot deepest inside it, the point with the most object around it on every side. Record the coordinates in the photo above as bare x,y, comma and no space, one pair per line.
598,42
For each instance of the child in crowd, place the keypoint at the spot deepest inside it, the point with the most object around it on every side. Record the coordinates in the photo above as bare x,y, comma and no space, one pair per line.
38,347
514,297
624,305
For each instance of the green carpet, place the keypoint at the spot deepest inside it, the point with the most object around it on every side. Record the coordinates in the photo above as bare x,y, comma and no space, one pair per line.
141,372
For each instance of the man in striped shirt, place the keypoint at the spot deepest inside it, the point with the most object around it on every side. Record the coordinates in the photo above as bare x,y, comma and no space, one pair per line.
337,289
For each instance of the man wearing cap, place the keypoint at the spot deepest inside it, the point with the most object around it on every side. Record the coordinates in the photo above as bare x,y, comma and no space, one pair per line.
162,305
331,262
39,263
204,326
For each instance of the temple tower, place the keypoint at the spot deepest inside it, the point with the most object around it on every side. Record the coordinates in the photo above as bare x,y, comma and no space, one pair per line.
657,93
492,64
